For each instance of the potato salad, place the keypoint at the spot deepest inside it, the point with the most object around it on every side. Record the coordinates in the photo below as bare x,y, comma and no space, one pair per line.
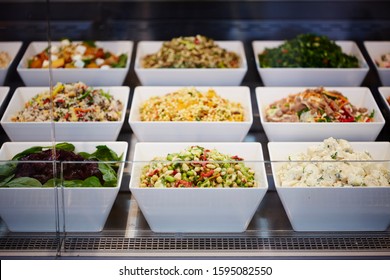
333,163
197,167
189,104
71,103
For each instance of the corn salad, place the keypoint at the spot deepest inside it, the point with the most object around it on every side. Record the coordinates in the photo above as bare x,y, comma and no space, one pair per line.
189,104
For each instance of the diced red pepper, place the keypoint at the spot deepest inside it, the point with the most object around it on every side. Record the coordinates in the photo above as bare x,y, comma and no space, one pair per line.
183,183
237,158
347,119
153,172
207,174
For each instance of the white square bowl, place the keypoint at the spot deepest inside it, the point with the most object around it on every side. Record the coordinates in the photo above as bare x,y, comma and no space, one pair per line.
12,48
199,209
311,76
32,209
93,77
333,208
3,94
187,130
300,131
64,131
375,49
385,94
190,76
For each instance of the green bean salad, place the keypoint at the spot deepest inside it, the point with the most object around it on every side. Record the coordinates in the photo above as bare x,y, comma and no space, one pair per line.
199,168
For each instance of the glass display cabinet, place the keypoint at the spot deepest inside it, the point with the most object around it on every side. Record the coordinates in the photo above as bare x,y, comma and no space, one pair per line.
111,215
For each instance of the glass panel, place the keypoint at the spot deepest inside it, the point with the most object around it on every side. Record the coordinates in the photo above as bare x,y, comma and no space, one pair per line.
121,220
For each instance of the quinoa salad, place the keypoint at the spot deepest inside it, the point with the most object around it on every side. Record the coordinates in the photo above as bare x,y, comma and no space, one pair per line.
336,165
191,52
317,105
189,104
75,102
197,167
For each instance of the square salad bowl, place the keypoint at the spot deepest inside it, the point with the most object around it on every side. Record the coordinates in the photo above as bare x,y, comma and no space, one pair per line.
361,97
199,209
279,76
12,49
91,76
190,76
377,49
184,131
26,206
385,95
319,206
3,94
64,130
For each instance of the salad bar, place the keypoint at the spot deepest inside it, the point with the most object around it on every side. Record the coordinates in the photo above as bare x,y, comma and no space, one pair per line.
195,142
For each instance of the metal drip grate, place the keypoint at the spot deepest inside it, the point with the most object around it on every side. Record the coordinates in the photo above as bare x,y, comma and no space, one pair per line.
230,244
29,244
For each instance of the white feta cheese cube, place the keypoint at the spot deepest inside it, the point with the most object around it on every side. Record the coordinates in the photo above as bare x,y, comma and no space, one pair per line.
80,49
105,67
45,64
99,61
79,64
76,57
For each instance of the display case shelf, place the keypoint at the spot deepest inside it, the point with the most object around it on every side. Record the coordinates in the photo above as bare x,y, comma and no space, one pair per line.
126,233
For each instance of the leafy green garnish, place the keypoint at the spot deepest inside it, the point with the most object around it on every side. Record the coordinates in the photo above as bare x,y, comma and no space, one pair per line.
90,43
300,112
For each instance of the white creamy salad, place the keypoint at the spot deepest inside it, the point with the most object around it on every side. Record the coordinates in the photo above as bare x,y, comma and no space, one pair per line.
340,166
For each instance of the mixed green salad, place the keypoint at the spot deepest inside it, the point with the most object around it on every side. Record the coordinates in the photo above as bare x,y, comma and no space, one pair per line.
307,51
197,167
97,169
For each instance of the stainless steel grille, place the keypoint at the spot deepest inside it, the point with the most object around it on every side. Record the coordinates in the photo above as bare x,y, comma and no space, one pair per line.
229,244
29,244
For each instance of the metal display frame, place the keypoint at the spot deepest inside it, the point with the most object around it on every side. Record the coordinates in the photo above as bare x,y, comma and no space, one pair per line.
126,234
